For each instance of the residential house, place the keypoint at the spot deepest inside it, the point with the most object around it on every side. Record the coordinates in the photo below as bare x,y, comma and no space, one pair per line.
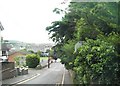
19,57
5,49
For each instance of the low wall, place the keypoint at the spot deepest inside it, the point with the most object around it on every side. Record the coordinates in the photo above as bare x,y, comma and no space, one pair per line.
6,65
8,70
8,73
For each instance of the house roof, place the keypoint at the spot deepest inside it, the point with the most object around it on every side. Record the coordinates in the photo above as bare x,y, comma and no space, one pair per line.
1,27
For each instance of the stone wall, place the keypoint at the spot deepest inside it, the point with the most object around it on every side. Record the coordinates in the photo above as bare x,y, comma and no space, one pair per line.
10,65
8,70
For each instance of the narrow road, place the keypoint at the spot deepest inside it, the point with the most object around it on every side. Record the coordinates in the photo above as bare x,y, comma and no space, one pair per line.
52,75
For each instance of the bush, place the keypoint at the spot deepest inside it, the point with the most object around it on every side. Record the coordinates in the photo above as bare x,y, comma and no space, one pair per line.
17,59
67,56
96,62
32,60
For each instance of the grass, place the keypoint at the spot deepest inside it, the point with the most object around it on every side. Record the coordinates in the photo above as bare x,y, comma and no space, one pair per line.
43,58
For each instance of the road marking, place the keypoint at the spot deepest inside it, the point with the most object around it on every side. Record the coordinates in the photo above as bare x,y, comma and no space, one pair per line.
57,84
28,79
63,78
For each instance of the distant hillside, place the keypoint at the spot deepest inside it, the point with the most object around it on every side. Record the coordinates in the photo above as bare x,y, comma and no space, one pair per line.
18,45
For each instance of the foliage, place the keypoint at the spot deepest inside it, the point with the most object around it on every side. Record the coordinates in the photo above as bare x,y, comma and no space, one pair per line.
48,50
39,52
87,20
32,60
17,59
113,38
96,62
20,61
96,18
66,54
51,53
61,30
31,51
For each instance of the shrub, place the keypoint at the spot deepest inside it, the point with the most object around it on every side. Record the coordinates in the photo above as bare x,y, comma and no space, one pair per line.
20,61
32,60
67,56
17,59
96,62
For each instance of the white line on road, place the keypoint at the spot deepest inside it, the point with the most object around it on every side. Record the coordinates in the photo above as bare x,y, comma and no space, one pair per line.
63,78
29,79
57,84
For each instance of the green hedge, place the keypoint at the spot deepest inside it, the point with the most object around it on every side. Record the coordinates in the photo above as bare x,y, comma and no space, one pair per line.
32,60
96,62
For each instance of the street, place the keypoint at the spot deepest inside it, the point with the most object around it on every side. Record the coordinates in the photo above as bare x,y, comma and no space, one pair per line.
52,75
56,74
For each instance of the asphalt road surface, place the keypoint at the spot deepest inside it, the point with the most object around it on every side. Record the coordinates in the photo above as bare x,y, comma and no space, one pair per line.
52,75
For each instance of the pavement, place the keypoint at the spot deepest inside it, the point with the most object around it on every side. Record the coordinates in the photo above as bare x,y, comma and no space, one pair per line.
68,78
33,72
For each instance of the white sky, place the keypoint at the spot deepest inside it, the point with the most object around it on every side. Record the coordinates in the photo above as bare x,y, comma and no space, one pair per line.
26,20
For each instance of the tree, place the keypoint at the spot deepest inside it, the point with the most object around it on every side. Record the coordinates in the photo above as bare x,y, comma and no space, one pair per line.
48,50
99,23
66,54
51,53
39,52
31,51
96,62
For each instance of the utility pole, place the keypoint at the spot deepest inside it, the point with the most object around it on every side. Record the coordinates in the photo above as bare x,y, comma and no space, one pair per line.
1,28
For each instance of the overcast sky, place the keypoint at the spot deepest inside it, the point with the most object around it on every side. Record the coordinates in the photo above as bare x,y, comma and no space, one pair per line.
26,20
